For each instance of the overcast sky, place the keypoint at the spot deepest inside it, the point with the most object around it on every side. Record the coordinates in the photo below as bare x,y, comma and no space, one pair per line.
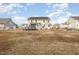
19,12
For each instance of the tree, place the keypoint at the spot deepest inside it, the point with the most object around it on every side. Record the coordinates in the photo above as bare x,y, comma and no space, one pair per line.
17,26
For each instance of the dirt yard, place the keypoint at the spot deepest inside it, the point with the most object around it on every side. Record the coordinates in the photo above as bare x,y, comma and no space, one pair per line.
35,42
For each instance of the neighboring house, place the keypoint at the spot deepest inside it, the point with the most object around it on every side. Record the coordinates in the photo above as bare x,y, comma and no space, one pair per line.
73,22
7,23
60,26
56,26
24,26
38,22
63,25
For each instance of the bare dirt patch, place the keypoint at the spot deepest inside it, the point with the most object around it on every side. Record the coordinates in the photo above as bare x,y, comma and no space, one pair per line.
35,42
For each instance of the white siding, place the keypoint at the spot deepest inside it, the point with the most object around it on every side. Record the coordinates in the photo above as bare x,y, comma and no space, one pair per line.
63,26
1,26
73,23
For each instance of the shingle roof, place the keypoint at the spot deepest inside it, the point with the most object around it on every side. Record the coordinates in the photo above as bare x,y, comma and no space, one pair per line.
75,17
5,20
39,18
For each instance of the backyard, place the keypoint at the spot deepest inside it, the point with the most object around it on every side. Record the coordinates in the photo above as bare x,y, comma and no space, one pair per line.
39,42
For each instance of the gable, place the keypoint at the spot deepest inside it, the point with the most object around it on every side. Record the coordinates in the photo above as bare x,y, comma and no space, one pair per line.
6,21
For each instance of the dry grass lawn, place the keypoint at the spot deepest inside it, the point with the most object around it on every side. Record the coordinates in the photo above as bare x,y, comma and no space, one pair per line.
33,42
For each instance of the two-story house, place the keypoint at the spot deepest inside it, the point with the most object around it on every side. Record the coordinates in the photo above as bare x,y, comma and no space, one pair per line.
73,22
38,22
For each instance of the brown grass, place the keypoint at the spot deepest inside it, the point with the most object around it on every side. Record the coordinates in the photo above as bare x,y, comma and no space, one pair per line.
32,42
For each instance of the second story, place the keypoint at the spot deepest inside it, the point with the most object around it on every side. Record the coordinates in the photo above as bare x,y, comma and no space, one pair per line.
38,20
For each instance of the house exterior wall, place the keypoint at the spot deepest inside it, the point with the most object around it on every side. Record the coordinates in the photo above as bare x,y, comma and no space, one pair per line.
73,23
1,26
38,22
63,26
7,25
10,25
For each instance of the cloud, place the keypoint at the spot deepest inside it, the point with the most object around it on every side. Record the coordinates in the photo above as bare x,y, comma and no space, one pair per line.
6,9
54,14
15,5
60,20
19,20
29,4
57,5
47,11
59,13
60,6
49,4
9,8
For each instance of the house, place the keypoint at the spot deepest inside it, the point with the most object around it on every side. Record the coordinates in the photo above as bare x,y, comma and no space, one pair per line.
73,22
63,25
24,26
38,22
56,26
7,23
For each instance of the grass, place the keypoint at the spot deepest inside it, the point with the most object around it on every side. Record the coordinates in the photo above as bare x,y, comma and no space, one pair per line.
44,42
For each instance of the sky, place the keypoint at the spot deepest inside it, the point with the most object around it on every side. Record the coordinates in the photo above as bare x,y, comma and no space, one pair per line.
20,12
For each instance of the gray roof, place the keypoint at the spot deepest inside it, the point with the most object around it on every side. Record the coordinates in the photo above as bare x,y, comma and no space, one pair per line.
39,18
75,17
6,20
